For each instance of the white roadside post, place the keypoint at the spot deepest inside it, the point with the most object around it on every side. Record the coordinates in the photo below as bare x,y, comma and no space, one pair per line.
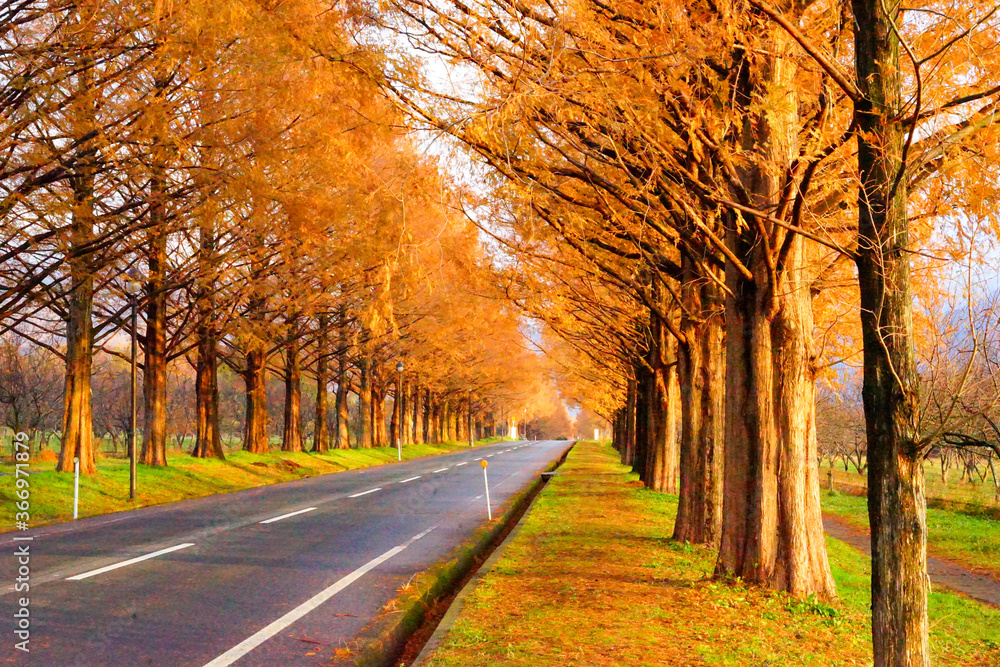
76,485
486,480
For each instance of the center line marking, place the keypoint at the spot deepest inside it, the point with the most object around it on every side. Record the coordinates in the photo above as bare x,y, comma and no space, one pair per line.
261,636
441,470
365,493
285,516
463,463
130,561
410,479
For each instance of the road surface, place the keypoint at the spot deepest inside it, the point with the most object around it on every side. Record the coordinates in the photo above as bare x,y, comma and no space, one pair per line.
280,575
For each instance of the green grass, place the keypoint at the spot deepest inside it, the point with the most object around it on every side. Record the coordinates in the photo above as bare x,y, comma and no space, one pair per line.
185,477
594,579
967,537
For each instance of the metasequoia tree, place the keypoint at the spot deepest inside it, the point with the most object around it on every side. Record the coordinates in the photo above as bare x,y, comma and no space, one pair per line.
633,187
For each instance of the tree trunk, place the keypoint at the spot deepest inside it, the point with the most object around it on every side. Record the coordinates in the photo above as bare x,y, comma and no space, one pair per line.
78,431
321,434
208,438
78,422
154,377
419,420
645,387
430,435
896,501
255,438
365,405
772,530
699,511
379,435
661,455
628,448
291,436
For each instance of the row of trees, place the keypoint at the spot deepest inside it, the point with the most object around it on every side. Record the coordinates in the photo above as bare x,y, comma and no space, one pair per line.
697,193
279,222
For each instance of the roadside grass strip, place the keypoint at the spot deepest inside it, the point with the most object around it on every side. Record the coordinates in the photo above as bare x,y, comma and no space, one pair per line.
965,537
594,578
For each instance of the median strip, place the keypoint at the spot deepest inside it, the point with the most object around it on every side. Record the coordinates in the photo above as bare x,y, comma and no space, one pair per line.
261,636
290,514
365,493
130,561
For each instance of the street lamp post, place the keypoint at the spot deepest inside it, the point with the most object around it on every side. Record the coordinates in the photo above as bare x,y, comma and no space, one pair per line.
133,286
399,412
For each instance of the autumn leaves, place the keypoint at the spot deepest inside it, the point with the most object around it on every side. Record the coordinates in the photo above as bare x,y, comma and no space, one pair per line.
281,221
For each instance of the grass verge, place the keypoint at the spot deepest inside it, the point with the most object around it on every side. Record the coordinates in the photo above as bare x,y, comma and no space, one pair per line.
188,477
962,536
593,578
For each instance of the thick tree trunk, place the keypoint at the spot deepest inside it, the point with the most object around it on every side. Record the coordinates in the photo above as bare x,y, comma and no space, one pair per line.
364,406
208,438
699,511
321,432
896,501
645,387
395,418
628,450
380,436
406,410
418,415
255,438
447,423
772,526
291,436
661,453
772,531
154,377
77,422
343,438
78,431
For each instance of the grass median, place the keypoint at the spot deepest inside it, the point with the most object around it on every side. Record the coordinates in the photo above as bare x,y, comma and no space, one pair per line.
188,477
593,578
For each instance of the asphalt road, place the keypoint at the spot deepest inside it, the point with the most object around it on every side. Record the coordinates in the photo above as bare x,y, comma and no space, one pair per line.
231,579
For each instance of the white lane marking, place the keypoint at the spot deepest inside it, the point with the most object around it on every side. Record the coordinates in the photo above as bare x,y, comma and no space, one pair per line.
285,516
479,459
463,463
489,456
365,493
261,636
479,497
130,561
410,479
441,470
